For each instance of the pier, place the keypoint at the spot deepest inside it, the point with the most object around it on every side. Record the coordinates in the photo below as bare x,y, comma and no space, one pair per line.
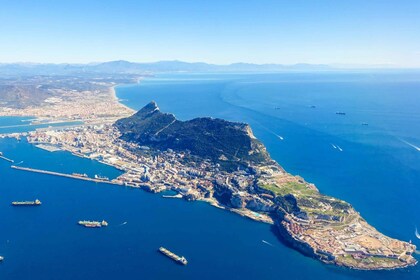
63,175
173,196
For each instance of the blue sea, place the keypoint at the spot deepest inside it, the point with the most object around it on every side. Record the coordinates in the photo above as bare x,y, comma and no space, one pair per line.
377,171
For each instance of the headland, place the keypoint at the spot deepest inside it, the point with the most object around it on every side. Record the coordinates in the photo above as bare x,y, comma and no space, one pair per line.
219,162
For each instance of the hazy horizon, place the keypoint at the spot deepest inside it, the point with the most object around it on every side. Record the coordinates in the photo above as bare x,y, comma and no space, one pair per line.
338,66
217,32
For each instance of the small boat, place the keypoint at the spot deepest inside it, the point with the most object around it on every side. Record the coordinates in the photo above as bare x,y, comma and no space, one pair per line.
340,113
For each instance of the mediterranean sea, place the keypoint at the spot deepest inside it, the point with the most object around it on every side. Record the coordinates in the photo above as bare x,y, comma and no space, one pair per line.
367,157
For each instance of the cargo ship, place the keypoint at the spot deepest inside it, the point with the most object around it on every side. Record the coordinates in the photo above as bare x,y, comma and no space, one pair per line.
93,224
36,202
173,256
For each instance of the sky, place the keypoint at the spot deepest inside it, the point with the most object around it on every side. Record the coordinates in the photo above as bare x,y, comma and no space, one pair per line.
336,32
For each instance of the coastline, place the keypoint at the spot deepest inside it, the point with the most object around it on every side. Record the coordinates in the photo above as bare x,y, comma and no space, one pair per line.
269,220
93,107
115,97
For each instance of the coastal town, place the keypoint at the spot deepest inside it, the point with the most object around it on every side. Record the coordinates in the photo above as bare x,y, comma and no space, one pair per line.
49,99
320,226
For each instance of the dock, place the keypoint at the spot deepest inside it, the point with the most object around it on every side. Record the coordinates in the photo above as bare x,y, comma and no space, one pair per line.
48,148
172,196
63,175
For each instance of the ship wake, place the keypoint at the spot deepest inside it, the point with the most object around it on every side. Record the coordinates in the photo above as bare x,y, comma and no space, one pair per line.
268,243
411,145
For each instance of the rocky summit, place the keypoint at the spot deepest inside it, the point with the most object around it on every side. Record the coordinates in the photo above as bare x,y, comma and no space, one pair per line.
231,144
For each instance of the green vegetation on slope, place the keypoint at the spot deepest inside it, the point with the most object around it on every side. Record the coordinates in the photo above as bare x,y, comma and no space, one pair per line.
228,143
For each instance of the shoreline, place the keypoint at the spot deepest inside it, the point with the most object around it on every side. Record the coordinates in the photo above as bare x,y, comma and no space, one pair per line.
286,237
214,203
92,106
114,95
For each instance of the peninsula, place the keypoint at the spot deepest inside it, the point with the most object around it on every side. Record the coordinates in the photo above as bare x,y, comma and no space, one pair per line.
223,163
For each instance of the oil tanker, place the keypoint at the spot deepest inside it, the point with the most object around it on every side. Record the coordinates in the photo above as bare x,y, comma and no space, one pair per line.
173,256
36,202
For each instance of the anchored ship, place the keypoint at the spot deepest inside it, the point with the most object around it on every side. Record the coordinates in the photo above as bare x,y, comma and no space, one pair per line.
93,224
173,256
36,202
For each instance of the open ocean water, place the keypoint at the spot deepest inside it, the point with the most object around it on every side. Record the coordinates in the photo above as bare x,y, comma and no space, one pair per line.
377,171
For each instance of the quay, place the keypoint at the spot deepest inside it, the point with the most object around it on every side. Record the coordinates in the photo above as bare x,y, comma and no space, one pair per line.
63,175
172,196
48,148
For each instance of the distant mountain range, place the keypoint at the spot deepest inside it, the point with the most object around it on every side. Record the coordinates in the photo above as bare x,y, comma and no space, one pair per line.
126,67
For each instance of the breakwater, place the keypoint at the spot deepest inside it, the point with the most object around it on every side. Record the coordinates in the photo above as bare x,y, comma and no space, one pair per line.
78,177
7,159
